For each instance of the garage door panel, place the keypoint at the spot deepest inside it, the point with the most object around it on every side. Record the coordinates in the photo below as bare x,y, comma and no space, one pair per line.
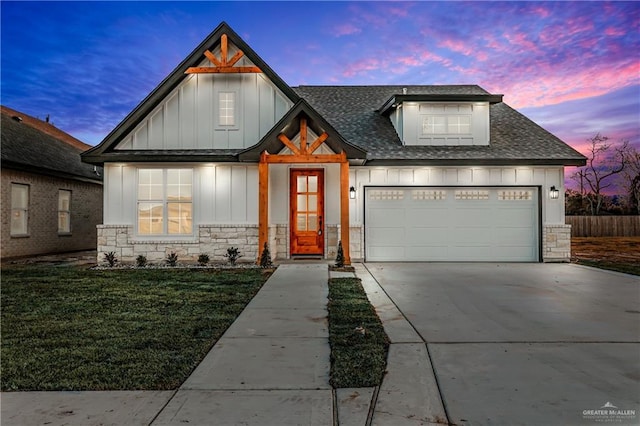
426,236
515,217
450,224
515,236
388,216
390,236
471,236
435,216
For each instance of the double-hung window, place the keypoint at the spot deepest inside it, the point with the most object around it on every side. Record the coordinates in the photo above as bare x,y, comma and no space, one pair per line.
64,211
19,209
227,108
165,202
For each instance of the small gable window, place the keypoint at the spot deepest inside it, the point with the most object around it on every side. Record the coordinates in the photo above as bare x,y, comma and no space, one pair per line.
227,107
165,202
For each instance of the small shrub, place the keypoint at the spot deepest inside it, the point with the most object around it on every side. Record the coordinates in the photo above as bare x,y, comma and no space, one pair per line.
233,254
339,256
141,261
265,257
203,259
172,259
111,258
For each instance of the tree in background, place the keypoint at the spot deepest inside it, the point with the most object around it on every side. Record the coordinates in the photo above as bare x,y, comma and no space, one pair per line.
631,175
604,161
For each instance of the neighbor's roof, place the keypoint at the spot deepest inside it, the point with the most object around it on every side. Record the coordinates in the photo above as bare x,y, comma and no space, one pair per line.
35,146
354,111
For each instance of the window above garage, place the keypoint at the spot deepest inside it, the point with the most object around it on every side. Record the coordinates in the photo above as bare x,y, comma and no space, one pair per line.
449,120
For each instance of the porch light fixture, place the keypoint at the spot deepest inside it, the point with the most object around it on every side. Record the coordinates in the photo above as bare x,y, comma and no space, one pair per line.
352,193
554,193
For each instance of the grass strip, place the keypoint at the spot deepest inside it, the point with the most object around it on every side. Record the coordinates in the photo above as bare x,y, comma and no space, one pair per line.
630,267
71,328
359,344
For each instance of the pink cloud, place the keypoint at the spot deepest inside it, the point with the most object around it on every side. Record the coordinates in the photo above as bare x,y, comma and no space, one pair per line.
547,87
465,48
614,32
346,29
541,11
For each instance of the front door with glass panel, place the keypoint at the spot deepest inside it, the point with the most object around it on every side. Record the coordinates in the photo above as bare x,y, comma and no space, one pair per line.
307,211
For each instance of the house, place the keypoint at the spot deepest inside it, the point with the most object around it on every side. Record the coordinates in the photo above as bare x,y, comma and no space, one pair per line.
51,200
224,153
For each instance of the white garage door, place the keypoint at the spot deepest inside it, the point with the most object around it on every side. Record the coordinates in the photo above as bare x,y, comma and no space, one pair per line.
451,224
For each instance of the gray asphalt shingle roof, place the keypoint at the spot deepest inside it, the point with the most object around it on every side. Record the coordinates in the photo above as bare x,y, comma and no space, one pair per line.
353,111
28,144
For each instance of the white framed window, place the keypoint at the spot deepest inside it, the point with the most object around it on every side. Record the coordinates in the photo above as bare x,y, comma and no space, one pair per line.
227,108
64,211
446,125
165,202
19,209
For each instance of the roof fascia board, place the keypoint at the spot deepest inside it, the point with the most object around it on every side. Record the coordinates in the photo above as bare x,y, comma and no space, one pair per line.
166,157
170,82
476,162
396,100
48,172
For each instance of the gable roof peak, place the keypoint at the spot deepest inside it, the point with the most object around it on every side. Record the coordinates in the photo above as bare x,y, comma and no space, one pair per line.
177,76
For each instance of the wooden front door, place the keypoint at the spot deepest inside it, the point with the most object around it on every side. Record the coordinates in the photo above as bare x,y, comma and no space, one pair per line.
307,211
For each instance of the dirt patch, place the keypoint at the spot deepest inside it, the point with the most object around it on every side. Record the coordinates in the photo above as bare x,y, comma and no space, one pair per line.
617,253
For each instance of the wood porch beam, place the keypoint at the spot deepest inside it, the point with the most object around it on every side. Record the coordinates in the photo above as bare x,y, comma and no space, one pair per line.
263,203
316,144
319,158
344,209
303,135
222,70
287,142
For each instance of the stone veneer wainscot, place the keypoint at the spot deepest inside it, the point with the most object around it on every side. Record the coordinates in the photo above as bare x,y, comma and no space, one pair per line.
211,239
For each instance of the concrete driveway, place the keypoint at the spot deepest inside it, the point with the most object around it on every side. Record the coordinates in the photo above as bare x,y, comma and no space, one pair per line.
526,344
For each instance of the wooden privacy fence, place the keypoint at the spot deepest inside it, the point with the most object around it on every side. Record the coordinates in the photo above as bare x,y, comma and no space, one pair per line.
604,226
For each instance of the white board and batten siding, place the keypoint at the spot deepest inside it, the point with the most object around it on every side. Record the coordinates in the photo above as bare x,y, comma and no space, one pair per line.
188,118
432,230
222,193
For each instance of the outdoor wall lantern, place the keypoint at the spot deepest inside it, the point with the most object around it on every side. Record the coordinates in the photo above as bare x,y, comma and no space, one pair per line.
352,193
554,193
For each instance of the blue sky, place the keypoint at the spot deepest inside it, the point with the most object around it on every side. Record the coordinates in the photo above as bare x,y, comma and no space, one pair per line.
573,67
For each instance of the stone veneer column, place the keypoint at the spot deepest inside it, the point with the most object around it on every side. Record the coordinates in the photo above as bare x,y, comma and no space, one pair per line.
556,243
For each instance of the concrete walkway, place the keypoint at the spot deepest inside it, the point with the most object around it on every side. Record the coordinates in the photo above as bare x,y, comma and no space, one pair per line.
271,367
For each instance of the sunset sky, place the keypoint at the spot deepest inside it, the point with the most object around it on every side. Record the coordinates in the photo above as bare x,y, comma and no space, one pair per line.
573,67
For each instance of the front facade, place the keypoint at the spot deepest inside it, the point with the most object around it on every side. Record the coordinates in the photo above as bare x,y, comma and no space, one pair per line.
223,153
51,201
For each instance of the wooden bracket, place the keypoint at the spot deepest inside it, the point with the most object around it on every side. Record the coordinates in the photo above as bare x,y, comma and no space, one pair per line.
224,65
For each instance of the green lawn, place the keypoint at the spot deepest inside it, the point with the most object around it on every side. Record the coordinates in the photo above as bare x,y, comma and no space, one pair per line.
70,328
359,344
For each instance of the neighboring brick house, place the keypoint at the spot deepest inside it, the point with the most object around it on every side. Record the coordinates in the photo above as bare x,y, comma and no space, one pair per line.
51,201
